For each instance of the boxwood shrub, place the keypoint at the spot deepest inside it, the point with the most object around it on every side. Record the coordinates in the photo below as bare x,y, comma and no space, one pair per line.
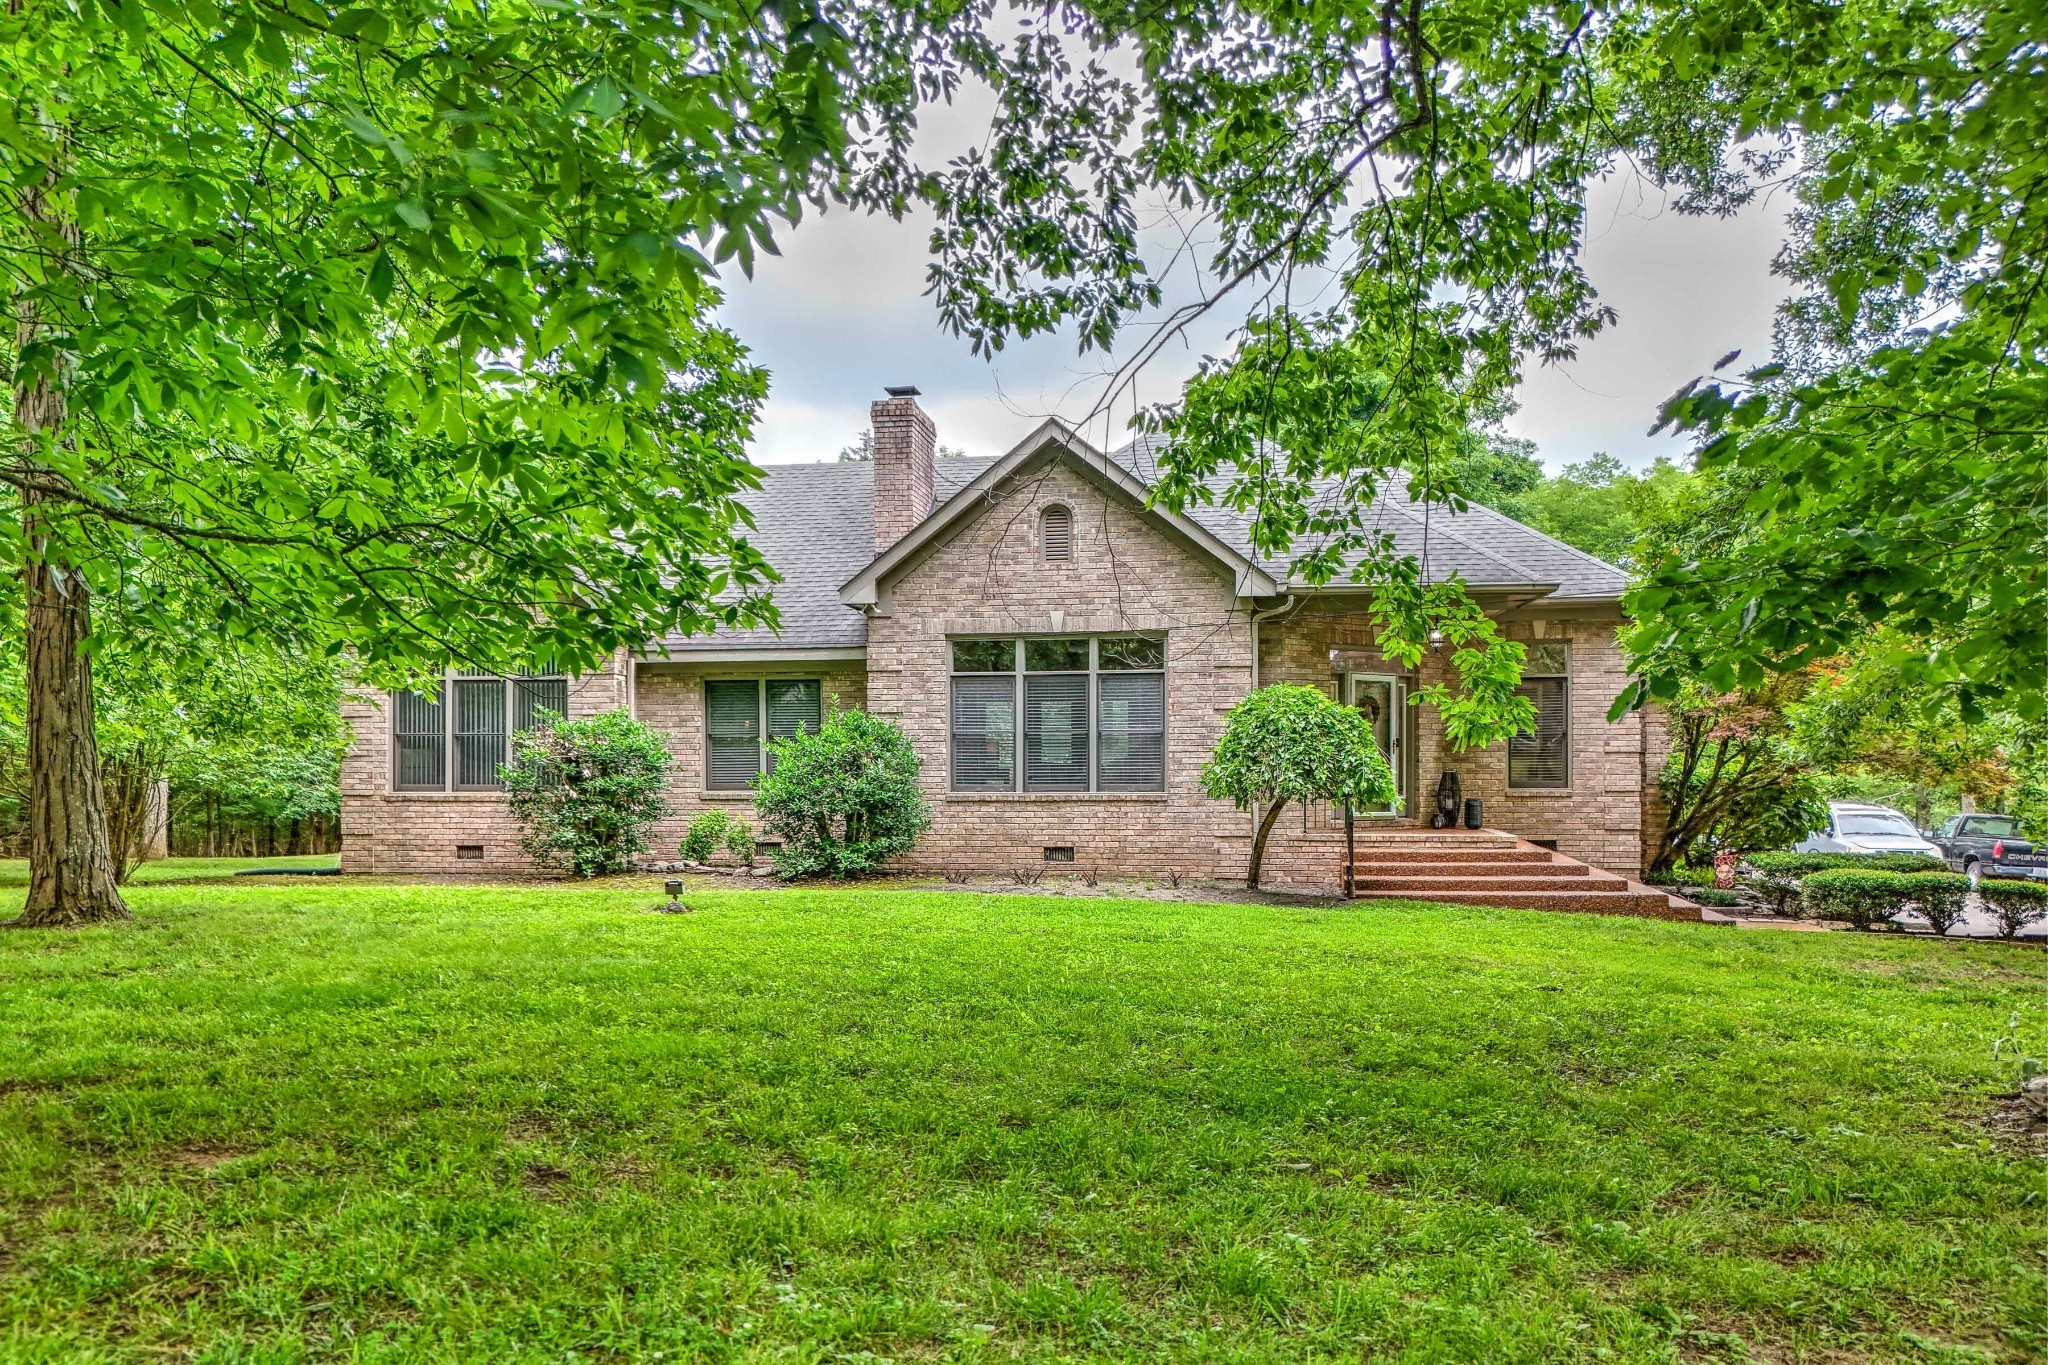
2014,904
1939,897
1867,898
1777,875
1796,865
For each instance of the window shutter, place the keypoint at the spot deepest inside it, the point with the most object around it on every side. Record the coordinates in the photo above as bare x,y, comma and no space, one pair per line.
1544,758
479,732
732,729
1056,732
418,730
1056,533
1130,743
985,734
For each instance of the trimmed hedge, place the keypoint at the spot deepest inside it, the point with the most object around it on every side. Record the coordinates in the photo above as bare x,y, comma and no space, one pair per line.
1866,898
2014,904
1777,875
1799,864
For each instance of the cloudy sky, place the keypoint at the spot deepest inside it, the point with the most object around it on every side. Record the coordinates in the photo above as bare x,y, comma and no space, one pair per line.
842,312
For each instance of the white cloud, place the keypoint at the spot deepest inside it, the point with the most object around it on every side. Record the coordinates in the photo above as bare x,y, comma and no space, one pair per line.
842,313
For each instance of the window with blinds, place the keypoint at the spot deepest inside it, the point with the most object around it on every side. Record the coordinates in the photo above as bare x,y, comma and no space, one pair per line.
1543,760
457,736
744,717
1056,533
479,732
1085,714
419,739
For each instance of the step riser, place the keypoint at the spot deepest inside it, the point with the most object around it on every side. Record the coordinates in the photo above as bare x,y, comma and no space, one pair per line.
1451,886
1607,903
1502,856
1388,867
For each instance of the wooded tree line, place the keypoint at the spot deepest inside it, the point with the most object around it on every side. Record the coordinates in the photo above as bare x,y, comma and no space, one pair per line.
386,325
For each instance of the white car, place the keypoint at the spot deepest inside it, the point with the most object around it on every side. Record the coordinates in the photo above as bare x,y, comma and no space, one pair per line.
1857,828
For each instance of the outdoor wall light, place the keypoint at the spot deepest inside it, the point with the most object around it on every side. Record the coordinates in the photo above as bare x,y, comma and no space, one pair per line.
1436,638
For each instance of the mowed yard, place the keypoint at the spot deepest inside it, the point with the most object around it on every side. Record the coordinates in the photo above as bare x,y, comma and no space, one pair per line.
316,1119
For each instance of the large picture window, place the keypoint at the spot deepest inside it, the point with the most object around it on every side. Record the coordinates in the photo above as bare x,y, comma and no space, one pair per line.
744,716
1085,713
1544,760
456,737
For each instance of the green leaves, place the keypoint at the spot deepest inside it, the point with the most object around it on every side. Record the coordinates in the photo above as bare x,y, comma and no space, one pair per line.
842,801
586,792
376,345
1291,743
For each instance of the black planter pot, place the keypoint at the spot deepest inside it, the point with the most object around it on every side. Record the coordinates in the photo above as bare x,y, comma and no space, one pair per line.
1475,813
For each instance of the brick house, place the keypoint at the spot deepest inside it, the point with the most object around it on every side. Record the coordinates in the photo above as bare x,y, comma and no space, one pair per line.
1062,657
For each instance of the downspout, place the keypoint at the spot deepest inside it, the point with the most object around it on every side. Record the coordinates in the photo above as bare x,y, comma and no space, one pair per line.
1286,604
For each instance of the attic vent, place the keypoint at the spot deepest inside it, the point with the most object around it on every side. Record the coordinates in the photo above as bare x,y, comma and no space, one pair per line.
1056,533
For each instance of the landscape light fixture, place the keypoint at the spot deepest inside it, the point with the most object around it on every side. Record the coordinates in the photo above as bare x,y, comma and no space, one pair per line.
675,906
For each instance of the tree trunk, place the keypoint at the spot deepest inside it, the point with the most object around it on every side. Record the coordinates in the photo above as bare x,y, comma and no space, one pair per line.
71,870
1266,824
72,877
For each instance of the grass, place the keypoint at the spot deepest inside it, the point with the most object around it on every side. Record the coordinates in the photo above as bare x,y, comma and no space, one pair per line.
14,871
325,1120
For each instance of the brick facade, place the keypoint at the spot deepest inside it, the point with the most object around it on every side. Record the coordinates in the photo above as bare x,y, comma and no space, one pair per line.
989,578
670,697
401,832
1604,817
1122,576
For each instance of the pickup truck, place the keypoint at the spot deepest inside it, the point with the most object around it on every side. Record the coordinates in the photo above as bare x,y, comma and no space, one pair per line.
1990,845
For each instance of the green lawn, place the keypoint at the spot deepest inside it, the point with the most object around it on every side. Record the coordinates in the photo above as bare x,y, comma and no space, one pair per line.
14,871
327,1120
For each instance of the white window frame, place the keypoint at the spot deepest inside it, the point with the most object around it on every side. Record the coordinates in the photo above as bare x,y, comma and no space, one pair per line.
449,758
1020,761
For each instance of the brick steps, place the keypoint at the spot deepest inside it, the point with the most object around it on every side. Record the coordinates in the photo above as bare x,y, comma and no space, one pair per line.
1487,867
1432,857
1450,888
1648,904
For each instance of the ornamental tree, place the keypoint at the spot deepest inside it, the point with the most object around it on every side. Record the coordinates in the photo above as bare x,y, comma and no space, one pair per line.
843,801
586,792
1287,743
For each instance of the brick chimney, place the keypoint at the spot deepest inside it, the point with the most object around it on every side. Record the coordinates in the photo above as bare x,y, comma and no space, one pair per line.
904,442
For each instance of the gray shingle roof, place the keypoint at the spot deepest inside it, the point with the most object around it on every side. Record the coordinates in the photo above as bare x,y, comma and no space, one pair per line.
814,523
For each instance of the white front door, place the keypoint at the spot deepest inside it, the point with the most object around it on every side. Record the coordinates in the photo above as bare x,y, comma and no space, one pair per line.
1383,699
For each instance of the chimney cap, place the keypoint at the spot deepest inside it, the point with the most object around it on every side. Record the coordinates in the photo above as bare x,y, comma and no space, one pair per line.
900,390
